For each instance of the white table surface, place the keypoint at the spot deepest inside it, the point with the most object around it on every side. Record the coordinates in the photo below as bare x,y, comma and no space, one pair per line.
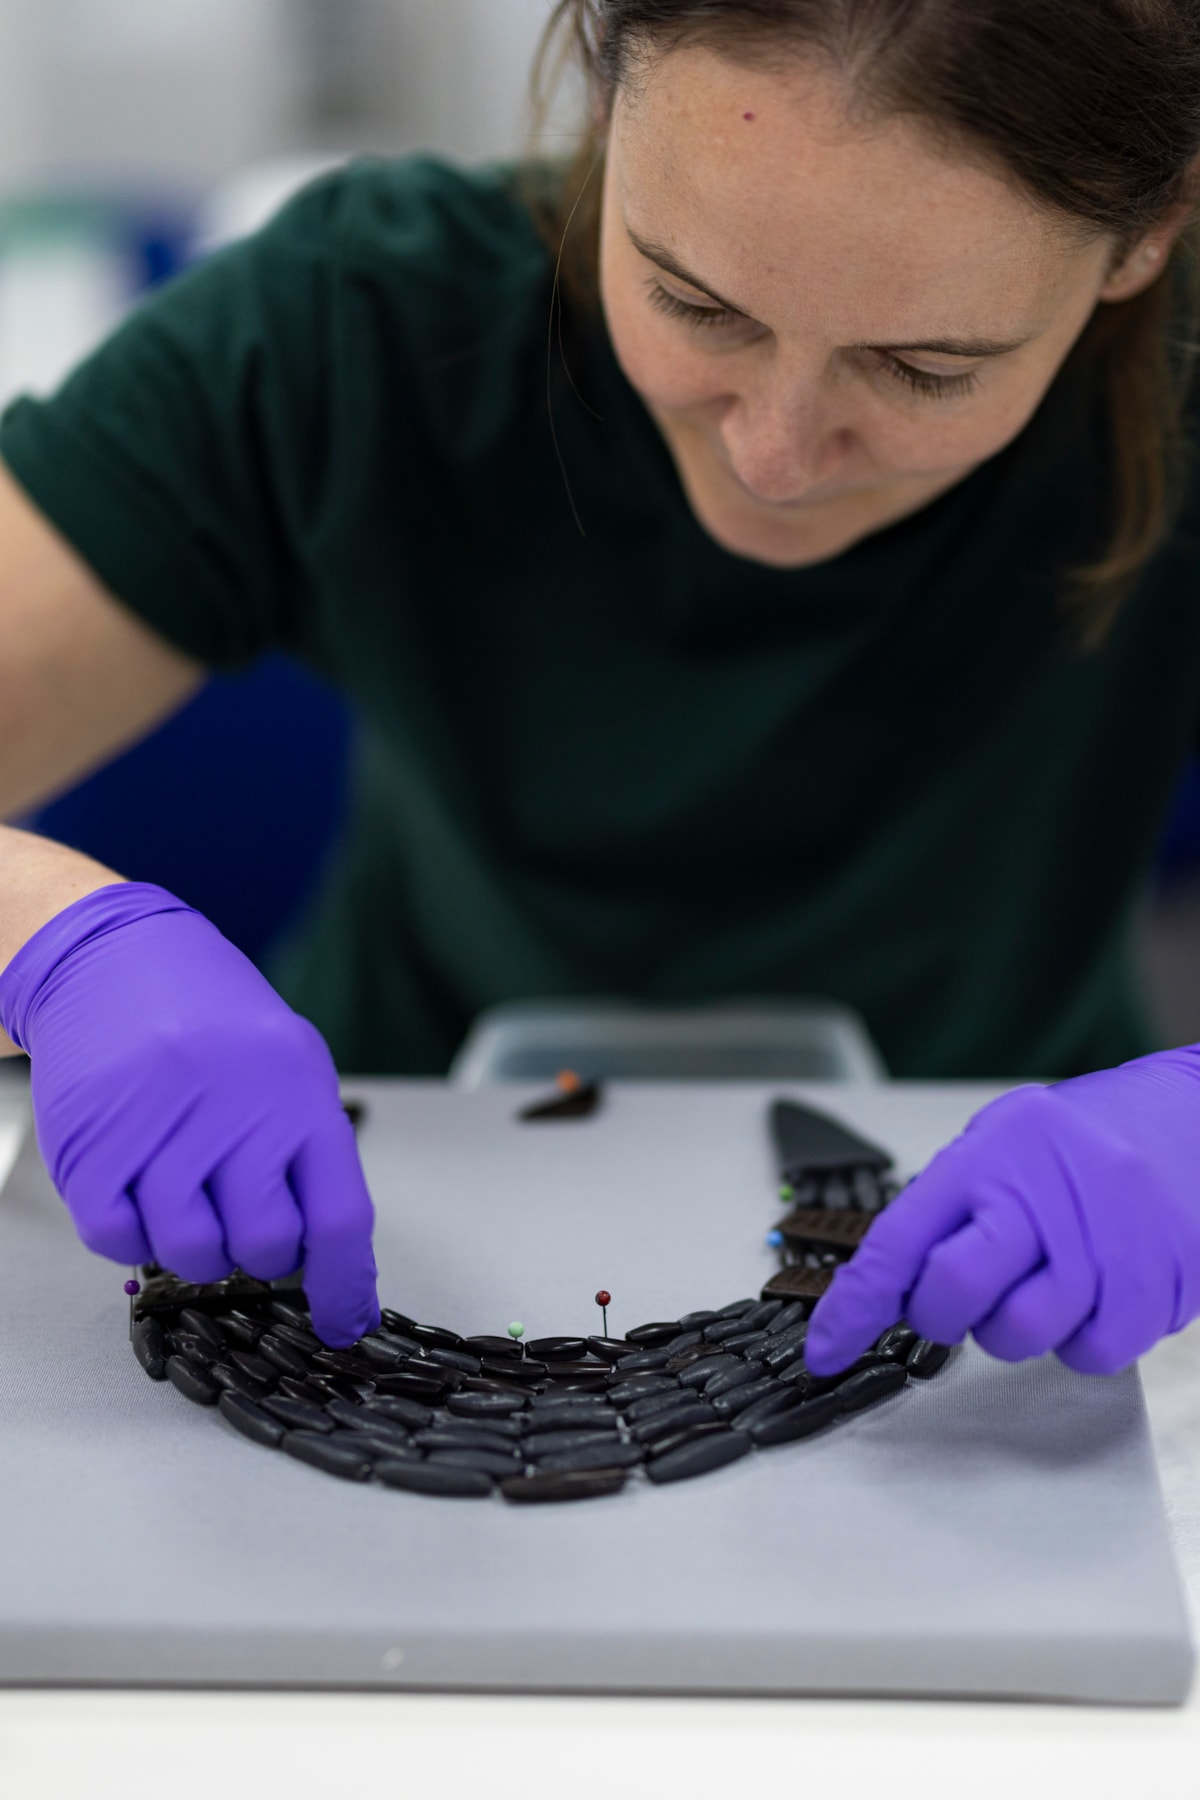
102,1745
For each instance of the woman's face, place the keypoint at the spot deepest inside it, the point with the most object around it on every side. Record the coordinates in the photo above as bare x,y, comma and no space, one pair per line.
830,323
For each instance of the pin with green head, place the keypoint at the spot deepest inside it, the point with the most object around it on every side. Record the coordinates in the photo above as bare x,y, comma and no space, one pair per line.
516,1330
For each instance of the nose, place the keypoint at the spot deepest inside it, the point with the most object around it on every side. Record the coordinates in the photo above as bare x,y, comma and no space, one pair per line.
782,443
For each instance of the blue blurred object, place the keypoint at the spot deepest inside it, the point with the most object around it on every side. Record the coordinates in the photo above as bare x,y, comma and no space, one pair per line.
1179,846
233,805
237,801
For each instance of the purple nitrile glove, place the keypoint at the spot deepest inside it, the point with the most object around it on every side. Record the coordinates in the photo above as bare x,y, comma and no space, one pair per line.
186,1114
1064,1218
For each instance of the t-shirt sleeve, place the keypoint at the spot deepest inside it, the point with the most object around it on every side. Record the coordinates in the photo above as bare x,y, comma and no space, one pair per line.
164,458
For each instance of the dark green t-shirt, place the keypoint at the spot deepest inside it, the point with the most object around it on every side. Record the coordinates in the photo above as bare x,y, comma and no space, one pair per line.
620,760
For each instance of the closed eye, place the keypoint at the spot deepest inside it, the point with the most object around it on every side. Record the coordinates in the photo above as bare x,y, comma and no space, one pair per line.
918,381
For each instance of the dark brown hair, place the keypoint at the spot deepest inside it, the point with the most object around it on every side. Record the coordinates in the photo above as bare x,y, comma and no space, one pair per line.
1092,105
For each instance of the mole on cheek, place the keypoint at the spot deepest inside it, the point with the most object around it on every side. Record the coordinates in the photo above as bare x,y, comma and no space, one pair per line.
749,117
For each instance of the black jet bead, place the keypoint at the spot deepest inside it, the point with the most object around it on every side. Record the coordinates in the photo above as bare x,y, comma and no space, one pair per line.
397,1322
237,1381
407,1415
193,1382
687,1340
896,1342
503,1430
720,1329
728,1379
926,1358
341,1362
292,1388
290,1311
485,1406
767,1406
384,1354
493,1349
782,1356
563,1484
490,1384
549,1443
186,1343
710,1451
357,1418
284,1357
572,1381
513,1374
556,1349
670,1441
435,1478
241,1329
559,1400
639,1386
870,1359
595,1456
297,1415
750,1344
380,1447
202,1326
436,1335
466,1437
256,1366
648,1337
325,1386
736,1309
670,1425
150,1348
609,1350
655,1406
406,1386
481,1462
397,1408
440,1358
732,1404
870,1385
307,1342
708,1368
644,1362
580,1417
799,1422
691,1321
795,1313
251,1421
333,1456
762,1315
693,1354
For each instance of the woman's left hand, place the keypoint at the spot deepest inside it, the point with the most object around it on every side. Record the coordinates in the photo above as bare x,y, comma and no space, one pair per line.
1064,1218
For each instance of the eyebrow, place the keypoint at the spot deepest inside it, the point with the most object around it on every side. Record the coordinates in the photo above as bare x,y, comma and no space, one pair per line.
969,347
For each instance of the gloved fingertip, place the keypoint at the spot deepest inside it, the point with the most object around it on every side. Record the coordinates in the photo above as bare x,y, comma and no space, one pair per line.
339,1329
826,1356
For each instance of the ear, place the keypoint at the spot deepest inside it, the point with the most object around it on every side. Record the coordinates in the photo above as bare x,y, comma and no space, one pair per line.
1145,260
1140,267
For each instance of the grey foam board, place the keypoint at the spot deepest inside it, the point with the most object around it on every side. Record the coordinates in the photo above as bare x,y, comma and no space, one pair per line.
996,1532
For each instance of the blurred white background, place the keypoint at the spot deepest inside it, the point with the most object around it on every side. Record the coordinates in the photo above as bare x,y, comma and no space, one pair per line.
135,132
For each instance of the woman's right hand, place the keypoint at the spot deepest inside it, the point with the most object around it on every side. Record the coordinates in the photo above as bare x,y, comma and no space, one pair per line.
186,1114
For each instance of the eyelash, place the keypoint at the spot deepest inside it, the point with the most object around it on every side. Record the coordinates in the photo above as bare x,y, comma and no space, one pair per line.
936,387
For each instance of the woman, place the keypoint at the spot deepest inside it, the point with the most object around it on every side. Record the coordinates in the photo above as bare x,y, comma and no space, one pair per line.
826,624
